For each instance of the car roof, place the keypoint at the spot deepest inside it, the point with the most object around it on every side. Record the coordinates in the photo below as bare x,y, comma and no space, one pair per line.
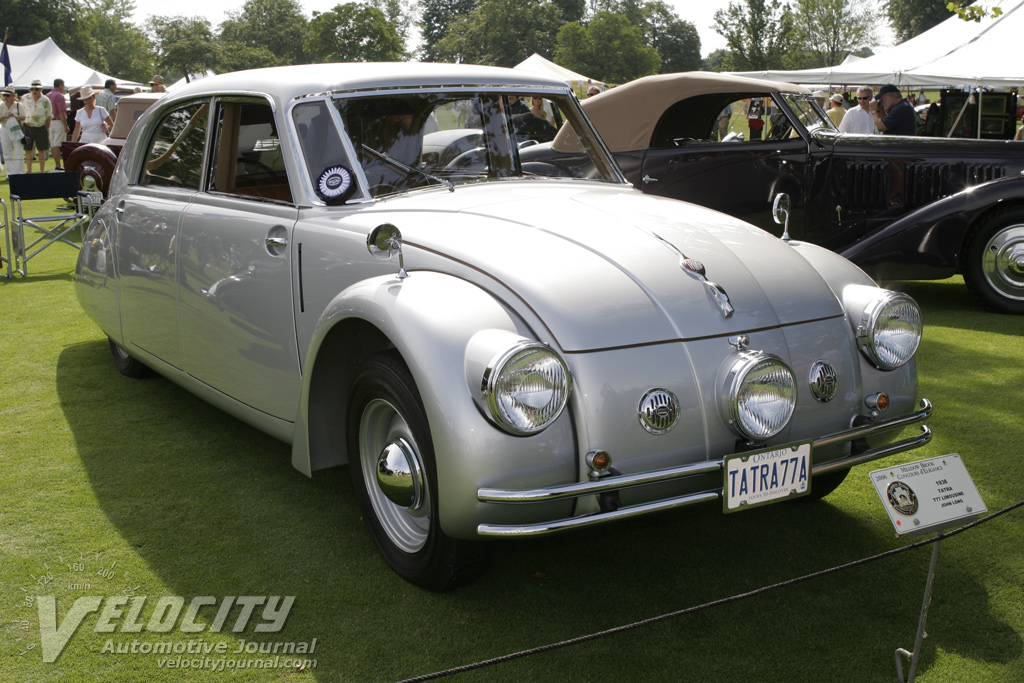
627,115
288,82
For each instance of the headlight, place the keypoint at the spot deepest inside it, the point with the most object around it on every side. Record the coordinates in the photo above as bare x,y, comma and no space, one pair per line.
890,330
525,388
760,395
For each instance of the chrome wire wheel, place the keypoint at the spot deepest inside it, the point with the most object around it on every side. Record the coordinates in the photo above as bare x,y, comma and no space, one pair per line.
1002,262
381,426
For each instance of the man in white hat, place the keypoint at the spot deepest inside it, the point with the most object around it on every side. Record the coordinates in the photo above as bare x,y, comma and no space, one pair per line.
835,111
38,114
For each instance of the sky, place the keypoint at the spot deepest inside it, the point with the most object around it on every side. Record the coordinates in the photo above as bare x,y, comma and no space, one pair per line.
700,12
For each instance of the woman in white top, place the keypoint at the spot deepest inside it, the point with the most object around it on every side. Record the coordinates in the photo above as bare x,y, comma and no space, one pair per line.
93,121
10,114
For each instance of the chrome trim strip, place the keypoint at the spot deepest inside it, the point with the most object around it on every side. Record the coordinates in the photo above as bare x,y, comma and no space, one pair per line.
552,493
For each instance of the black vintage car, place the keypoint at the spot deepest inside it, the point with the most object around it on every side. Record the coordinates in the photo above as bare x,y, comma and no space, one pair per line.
902,208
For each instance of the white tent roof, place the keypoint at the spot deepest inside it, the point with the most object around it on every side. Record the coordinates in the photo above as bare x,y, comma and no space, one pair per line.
46,62
538,65
956,52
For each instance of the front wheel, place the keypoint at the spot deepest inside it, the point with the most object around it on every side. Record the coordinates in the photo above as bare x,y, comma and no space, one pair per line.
125,364
391,460
994,261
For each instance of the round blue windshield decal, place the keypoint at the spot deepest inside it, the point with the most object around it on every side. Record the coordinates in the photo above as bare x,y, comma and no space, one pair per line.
334,182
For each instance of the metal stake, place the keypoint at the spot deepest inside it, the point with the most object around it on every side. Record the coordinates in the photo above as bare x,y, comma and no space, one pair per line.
921,635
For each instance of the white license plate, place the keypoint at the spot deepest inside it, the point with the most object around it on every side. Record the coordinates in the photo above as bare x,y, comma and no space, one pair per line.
753,479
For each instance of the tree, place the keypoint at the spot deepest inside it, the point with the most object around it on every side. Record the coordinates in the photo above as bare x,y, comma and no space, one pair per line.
675,40
758,32
184,45
353,32
608,48
32,21
502,33
436,17
278,26
716,60
572,10
912,17
828,30
118,47
397,12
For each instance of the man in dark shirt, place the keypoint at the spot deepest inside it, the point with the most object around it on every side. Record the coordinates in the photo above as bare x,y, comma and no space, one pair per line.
893,115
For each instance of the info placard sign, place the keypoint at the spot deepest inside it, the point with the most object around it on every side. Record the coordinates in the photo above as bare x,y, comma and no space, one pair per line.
928,495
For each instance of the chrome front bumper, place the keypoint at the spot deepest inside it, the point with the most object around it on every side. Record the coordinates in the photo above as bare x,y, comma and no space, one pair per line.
619,482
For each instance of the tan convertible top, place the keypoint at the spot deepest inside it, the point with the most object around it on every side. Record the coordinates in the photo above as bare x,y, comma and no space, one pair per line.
626,115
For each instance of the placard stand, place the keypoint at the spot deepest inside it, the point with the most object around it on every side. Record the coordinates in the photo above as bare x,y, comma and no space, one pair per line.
920,498
921,635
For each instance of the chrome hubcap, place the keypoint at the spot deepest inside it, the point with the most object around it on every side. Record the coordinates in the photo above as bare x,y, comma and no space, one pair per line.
393,476
399,475
1003,262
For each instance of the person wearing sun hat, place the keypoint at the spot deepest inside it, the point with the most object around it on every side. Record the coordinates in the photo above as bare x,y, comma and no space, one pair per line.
93,121
835,110
38,114
893,114
10,115
157,84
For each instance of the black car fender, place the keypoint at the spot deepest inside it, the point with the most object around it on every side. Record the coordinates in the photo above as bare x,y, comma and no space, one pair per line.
934,234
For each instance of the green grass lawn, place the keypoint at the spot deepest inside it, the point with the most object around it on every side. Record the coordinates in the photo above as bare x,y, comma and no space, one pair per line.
110,486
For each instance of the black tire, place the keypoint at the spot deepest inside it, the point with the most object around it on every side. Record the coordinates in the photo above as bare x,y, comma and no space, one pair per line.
125,364
384,407
994,261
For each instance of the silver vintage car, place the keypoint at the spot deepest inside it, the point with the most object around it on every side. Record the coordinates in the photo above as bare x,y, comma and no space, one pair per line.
358,260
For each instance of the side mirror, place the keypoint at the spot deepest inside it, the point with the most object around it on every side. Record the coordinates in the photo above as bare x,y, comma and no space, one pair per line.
780,212
385,241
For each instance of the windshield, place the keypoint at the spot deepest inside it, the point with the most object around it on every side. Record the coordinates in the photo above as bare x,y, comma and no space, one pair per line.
807,110
404,141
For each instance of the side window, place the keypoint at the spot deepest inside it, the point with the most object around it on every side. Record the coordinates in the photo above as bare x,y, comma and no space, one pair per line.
322,147
175,157
246,157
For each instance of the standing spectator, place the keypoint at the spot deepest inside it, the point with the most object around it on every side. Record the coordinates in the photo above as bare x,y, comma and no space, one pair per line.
38,113
835,112
76,104
819,97
593,90
724,121
755,109
859,119
157,84
107,99
10,114
899,117
59,124
93,121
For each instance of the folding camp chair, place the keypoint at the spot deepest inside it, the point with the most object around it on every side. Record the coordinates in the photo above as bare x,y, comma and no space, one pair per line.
5,248
29,186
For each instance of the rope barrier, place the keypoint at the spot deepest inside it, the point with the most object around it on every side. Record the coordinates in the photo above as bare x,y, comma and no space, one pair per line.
714,603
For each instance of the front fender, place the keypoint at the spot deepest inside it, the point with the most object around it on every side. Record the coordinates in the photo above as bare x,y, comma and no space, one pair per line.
430,319
926,243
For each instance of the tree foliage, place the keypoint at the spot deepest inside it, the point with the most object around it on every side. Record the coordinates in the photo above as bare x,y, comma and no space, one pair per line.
759,34
32,21
609,48
675,40
277,26
828,30
116,46
353,32
184,45
912,17
435,18
502,33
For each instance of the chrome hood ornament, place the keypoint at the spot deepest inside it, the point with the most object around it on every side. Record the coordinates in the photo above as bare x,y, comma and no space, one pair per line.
696,270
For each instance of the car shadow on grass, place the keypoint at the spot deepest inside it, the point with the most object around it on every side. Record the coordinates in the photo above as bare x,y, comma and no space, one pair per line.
213,507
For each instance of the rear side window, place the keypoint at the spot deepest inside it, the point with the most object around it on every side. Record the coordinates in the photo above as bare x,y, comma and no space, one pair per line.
175,157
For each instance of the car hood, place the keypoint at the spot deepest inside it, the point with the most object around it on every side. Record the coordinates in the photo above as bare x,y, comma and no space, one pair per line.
602,268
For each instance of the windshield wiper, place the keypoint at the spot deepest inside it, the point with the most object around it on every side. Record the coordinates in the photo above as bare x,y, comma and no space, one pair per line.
402,166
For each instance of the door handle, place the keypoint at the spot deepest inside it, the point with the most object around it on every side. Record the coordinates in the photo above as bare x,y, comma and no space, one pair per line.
277,242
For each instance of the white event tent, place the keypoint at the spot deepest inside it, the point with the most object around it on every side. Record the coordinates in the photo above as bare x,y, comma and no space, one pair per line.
954,53
46,61
537,64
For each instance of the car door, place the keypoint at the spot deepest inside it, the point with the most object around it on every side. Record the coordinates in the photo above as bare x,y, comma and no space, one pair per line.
737,170
148,218
237,326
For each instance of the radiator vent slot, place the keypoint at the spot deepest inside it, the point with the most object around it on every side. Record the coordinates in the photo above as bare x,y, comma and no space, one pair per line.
924,183
976,174
867,185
